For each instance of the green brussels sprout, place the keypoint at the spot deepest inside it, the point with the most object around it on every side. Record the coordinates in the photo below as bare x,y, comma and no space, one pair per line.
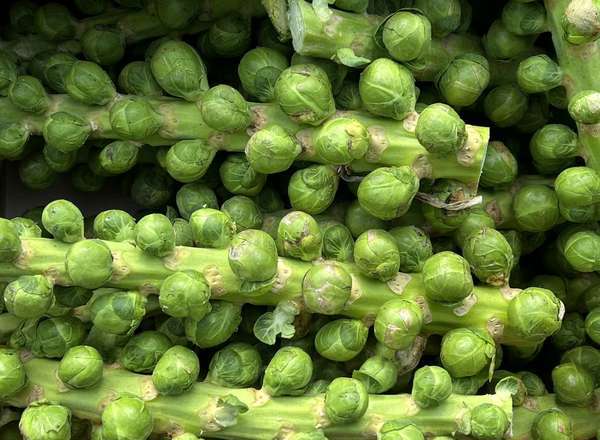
66,132
176,371
176,14
81,367
591,297
103,45
12,373
476,220
258,71
154,235
577,187
387,89
269,200
59,161
533,384
89,83
43,420
8,72
444,15
578,23
346,400
288,373
388,192
179,70
29,296
237,365
126,417
299,236
216,327
583,107
431,386
134,118
539,73
118,312
194,196
326,288
272,150
466,352
500,167
581,251
142,351
55,336
414,247
341,140
174,328
26,228
183,232
21,15
239,177
513,385
488,422
55,70
72,296
13,138
35,173
592,326
505,105
552,424
401,430
406,35
464,79
227,37
573,385
185,294
536,208
244,213
378,374
376,254
89,263
586,357
63,220
360,221
136,79
188,160
28,94
225,109
441,130
501,44
114,225
447,278
211,228
341,340
524,18
91,7
571,333
348,96
535,314
551,146
398,323
84,179
54,22
252,257
303,92
10,243
312,189
338,243
490,256
446,191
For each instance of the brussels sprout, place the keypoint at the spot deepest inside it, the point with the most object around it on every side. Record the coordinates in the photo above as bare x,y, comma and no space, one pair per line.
586,357
103,45
269,200
360,221
225,109
57,160
211,228
500,167
244,213
21,15
89,83
583,107
227,37
464,79
179,70
581,251
63,220
183,232
591,297
476,220
388,192
299,236
592,326
28,94
185,295
466,352
535,314
55,336
501,44
533,384
54,21
414,247
43,420
83,179
573,385
81,367
13,138
488,421
446,191
401,430
288,373
505,105
118,312
552,424
136,79
326,288
258,71
313,189
66,132
406,35
126,417
154,235
176,371
114,225
72,296
387,89
272,150
174,328
524,18
237,365
376,254
29,296
341,140
12,373
55,70
441,130
134,118
35,173
341,340
536,208
194,196
578,187
398,323
348,96
188,160
431,386
338,243
26,228
578,25
239,177
10,243
539,73
89,263
346,400
444,15
216,327
377,373
489,255
303,92
551,145
142,351
447,278
253,256
571,333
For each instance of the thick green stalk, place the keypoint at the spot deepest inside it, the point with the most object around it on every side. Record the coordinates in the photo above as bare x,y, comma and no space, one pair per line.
486,308
266,418
393,143
580,64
